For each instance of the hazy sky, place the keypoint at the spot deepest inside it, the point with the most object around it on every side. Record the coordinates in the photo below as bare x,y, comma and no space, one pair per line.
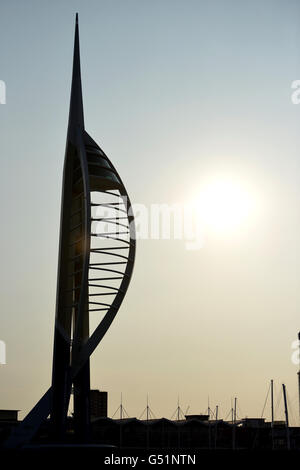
175,92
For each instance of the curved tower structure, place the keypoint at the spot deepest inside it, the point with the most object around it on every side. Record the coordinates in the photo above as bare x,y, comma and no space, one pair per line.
96,257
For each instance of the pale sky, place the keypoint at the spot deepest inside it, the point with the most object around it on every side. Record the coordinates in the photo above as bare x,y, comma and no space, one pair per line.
176,93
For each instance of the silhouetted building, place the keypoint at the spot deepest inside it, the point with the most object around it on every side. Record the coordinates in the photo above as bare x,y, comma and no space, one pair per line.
193,433
199,417
98,404
254,422
9,415
8,421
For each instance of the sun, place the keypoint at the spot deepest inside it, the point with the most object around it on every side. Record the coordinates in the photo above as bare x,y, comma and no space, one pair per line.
223,205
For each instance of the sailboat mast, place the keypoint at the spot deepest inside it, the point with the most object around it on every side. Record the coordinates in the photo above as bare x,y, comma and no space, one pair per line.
272,402
299,373
286,418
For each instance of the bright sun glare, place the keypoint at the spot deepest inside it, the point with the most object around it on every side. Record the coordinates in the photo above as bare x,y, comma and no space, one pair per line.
223,205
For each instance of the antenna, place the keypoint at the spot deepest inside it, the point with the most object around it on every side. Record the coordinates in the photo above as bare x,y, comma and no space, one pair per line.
216,425
235,403
122,410
233,419
178,412
272,412
299,372
286,418
272,402
148,411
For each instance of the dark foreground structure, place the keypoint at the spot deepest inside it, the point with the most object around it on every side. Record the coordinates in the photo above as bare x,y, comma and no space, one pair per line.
157,441
95,264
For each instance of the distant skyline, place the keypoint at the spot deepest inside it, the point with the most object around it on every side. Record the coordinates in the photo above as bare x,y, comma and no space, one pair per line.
177,94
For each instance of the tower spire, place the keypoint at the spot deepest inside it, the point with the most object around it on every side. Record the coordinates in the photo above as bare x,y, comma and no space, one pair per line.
76,119
87,170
